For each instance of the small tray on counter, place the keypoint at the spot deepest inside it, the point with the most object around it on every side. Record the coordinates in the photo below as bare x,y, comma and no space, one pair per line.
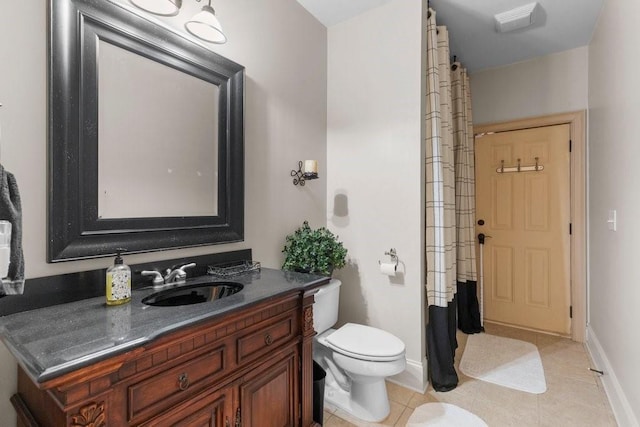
233,269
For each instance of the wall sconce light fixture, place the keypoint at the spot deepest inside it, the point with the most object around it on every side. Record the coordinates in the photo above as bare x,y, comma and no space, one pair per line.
204,24
310,172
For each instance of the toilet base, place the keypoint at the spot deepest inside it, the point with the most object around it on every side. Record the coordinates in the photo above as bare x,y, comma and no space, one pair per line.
368,402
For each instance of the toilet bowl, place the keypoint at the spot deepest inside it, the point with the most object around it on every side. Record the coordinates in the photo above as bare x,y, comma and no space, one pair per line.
357,359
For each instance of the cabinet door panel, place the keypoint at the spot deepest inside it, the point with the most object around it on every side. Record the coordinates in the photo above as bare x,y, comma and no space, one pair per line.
269,395
204,410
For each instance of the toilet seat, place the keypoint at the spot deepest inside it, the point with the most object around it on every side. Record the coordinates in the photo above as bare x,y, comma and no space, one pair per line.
365,343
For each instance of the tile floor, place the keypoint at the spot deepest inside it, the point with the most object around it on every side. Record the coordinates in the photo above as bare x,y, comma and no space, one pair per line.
574,396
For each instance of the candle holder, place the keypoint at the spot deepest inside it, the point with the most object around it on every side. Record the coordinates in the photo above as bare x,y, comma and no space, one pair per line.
301,177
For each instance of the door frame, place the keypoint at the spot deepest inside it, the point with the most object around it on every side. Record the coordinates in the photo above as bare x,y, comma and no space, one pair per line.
578,256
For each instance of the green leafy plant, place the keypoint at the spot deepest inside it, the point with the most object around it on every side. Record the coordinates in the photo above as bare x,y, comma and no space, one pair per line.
313,251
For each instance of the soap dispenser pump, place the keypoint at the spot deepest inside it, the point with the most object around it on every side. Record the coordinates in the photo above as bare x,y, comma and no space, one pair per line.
118,282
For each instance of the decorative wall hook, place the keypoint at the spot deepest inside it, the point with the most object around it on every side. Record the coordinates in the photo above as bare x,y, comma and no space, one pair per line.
310,172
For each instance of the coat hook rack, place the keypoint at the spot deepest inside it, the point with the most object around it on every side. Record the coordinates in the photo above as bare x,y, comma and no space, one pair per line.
519,168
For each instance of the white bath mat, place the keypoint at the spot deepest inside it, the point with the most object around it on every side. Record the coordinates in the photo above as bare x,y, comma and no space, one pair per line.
443,415
504,361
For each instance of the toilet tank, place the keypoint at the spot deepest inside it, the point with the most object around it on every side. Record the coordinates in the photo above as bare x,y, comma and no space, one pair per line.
325,307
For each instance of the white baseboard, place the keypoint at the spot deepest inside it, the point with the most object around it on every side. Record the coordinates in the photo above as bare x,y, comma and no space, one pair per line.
414,377
619,402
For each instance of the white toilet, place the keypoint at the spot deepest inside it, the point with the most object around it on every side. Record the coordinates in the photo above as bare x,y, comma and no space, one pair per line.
357,359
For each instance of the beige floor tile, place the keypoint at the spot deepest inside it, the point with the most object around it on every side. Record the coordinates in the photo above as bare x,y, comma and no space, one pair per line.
551,343
563,391
462,397
329,407
571,414
466,384
507,332
505,396
496,413
395,412
564,368
337,422
398,393
402,421
575,396
418,399
326,415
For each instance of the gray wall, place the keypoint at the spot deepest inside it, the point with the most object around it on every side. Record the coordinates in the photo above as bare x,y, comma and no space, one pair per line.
550,84
374,187
614,151
284,50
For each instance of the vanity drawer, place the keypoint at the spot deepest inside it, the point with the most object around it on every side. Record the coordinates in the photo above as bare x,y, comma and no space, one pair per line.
167,388
271,335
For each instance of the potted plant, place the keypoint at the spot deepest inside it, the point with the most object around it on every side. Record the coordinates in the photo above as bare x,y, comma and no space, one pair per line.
313,251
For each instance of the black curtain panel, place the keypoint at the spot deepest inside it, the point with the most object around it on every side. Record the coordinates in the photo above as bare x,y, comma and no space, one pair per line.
468,308
441,347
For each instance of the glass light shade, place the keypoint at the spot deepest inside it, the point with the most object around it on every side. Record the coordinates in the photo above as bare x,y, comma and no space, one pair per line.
159,7
205,26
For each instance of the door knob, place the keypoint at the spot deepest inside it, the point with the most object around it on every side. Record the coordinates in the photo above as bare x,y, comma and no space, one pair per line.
482,237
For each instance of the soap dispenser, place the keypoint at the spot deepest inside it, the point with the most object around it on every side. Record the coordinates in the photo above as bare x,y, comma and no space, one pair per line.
118,282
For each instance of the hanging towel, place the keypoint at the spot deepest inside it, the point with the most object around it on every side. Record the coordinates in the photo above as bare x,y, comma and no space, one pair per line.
11,210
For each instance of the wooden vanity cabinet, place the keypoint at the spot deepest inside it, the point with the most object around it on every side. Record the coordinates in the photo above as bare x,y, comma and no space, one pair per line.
249,368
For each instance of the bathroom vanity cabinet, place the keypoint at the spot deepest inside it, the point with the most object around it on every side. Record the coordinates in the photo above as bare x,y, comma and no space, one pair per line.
249,367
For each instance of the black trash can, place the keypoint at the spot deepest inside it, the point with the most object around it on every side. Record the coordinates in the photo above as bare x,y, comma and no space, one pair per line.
318,392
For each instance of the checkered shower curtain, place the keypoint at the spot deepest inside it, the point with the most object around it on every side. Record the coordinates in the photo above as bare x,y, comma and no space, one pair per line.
440,171
450,203
465,176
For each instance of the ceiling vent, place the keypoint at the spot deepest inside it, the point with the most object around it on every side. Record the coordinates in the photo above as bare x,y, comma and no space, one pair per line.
515,19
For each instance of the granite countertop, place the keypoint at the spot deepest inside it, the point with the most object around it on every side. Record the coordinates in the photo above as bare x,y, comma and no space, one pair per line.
49,342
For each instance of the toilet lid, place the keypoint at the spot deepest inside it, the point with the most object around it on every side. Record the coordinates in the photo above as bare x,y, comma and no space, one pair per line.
365,342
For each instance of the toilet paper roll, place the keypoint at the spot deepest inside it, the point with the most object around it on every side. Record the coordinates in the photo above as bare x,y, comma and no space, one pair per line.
388,268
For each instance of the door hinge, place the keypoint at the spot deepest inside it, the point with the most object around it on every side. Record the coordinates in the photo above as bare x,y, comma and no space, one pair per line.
570,145
570,312
570,228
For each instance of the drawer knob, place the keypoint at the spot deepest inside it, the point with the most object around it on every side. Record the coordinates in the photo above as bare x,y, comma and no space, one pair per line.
183,381
268,340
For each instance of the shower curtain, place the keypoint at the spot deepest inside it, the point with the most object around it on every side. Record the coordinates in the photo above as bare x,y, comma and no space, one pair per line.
450,205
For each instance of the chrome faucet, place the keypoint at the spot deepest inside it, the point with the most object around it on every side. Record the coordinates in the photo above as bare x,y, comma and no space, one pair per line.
173,277
157,277
178,275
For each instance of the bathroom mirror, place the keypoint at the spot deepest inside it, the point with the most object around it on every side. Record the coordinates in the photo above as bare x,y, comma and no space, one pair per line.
146,143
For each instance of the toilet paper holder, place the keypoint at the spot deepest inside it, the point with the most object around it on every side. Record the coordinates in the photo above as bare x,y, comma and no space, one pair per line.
394,256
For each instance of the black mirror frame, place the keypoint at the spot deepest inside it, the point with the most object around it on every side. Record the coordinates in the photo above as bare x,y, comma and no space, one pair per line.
74,229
